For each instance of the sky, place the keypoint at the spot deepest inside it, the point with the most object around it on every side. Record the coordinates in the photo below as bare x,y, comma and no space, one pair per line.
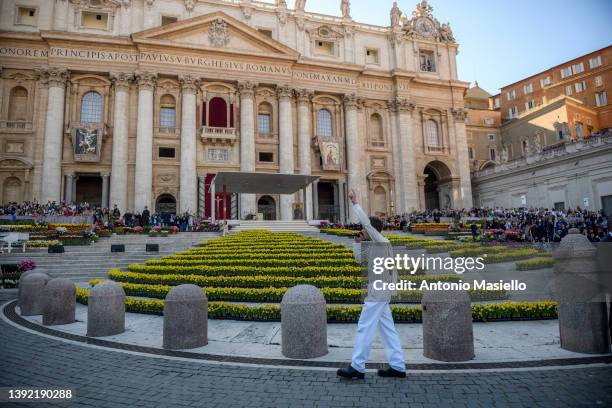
502,41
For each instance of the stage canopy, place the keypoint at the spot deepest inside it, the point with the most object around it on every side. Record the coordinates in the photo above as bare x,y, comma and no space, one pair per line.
262,183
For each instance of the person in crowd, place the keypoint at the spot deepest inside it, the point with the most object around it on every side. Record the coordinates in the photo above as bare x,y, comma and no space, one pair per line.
146,215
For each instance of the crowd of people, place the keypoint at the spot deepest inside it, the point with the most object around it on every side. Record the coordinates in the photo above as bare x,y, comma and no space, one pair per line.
103,217
536,225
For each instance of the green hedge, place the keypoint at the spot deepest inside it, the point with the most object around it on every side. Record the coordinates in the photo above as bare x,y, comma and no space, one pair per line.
535,263
259,263
260,281
404,314
511,255
235,270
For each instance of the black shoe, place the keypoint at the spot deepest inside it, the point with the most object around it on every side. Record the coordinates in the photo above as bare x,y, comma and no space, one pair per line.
391,372
350,372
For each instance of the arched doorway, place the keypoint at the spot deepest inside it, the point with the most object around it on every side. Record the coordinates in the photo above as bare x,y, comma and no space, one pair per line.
11,191
89,189
380,201
437,186
165,204
267,206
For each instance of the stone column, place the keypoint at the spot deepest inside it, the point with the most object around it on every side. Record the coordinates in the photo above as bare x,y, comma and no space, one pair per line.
68,182
336,201
463,162
247,143
406,147
188,198
213,203
143,182
315,199
353,151
119,170
201,193
105,177
285,146
304,140
56,79
397,157
341,202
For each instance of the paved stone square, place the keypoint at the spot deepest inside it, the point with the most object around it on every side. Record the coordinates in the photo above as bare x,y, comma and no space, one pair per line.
109,378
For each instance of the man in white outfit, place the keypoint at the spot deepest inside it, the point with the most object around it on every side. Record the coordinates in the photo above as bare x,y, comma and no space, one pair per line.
376,312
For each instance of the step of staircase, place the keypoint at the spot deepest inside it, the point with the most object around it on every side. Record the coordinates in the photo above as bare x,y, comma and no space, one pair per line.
82,263
275,226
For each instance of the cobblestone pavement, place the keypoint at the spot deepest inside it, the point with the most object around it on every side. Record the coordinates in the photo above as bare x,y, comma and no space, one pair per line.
106,378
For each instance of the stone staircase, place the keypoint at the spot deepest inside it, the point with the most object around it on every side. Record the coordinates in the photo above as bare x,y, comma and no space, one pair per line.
81,263
275,226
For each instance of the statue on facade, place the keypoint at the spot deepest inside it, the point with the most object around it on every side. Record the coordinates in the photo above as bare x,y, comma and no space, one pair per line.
536,145
446,34
504,154
281,3
396,15
345,8
300,5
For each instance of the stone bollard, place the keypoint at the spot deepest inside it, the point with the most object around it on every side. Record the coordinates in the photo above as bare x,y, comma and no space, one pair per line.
23,275
185,318
583,318
60,302
106,310
447,325
31,293
303,322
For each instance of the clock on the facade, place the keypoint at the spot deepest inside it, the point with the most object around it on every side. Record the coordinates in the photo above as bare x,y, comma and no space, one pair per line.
424,27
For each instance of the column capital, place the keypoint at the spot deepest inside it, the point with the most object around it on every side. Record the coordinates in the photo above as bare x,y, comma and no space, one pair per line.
69,174
303,95
189,83
458,113
121,80
53,76
351,101
246,89
146,80
400,105
105,174
284,91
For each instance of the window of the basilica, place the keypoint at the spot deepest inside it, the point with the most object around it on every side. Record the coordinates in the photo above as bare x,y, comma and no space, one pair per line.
377,138
324,123
165,20
371,56
92,108
91,19
432,136
324,47
18,102
167,113
266,157
427,61
26,16
166,152
263,123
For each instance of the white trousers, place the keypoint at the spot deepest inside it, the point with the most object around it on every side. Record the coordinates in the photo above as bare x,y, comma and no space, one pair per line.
373,315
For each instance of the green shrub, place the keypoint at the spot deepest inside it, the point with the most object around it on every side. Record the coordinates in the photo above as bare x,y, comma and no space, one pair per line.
535,263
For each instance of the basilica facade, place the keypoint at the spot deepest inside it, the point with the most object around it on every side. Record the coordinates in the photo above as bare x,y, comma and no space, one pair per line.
141,102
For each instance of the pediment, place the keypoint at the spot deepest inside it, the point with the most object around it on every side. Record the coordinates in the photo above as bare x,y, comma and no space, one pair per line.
215,32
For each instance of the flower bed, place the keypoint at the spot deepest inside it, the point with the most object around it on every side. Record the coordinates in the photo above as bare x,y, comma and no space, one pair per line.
42,244
348,314
423,227
258,267
339,231
332,295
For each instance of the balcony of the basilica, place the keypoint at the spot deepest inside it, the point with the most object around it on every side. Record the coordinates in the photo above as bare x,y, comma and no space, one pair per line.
218,135
16,126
